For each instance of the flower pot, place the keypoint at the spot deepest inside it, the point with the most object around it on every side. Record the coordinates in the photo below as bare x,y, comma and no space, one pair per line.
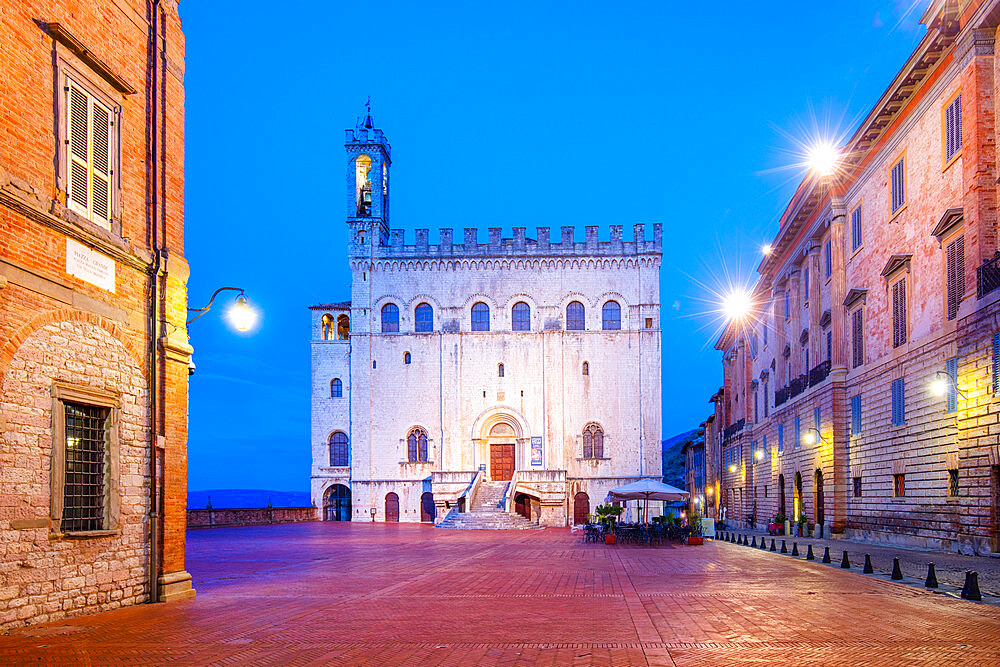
695,539
609,539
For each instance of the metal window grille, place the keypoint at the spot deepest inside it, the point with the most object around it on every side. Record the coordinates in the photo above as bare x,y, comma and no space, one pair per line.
575,316
953,128
857,487
339,451
521,317
858,337
611,316
86,467
953,483
424,318
856,232
898,186
899,312
390,318
899,485
480,317
955,262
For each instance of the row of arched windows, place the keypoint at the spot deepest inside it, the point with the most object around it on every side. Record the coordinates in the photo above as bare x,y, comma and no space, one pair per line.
339,331
416,447
520,317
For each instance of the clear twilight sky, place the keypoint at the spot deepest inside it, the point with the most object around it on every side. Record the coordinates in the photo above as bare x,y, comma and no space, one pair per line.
500,115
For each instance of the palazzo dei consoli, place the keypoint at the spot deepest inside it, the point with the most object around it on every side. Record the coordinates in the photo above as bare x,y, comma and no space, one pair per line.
525,370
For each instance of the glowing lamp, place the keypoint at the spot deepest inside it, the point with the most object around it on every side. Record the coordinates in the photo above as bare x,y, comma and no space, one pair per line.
732,468
939,387
809,438
241,315
823,159
759,454
710,490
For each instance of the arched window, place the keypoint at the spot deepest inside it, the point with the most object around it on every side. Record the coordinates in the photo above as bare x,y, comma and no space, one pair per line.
586,368
416,446
480,317
424,316
575,317
499,370
343,327
611,316
406,357
326,327
336,388
363,185
593,442
390,318
521,317
339,454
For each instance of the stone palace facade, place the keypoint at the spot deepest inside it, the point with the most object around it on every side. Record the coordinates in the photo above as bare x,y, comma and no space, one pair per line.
531,362
863,395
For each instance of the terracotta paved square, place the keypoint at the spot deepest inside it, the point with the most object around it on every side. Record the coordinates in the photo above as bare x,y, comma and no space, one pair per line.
377,594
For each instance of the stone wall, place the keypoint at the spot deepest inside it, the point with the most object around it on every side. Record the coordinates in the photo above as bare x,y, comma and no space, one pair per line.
259,516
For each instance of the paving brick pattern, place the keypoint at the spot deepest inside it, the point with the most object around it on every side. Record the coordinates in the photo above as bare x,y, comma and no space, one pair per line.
384,594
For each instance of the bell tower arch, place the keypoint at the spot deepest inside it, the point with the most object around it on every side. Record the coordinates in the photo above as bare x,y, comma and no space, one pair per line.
367,180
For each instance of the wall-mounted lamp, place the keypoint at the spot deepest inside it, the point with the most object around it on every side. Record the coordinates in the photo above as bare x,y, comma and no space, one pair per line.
759,454
240,313
942,380
732,468
812,436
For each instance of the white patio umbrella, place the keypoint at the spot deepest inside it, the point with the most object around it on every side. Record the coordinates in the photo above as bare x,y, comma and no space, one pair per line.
645,489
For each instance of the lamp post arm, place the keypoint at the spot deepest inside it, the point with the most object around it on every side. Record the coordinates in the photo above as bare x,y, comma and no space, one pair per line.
204,309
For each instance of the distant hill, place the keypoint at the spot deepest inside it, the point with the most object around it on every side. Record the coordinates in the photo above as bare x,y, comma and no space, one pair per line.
235,498
673,460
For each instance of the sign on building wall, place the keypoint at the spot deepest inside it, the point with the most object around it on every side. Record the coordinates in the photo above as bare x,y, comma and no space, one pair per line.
536,450
90,265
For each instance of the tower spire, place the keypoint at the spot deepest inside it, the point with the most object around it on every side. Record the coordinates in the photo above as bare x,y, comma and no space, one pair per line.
368,114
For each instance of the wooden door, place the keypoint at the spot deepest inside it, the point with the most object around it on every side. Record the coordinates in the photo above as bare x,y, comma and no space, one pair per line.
391,508
501,462
581,508
427,509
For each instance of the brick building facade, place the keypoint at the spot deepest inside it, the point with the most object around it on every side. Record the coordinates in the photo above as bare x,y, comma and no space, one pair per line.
862,391
94,352
531,364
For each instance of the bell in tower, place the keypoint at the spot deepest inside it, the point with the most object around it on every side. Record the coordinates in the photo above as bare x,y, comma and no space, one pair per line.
368,154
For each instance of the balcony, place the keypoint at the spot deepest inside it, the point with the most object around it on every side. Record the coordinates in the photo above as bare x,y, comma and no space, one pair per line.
988,276
798,385
819,373
780,396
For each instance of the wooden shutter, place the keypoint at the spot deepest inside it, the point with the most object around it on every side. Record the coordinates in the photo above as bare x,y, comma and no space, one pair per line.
899,312
955,271
898,186
996,360
78,119
857,337
100,162
856,237
953,128
951,368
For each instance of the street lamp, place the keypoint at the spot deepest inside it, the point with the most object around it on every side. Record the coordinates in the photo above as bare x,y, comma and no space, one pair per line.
942,380
240,313
759,455
732,468
812,436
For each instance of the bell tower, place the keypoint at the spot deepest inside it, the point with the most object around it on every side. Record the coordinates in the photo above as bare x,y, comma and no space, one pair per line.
368,163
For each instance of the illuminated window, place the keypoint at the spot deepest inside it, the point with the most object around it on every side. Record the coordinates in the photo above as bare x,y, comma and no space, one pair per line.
326,327
586,368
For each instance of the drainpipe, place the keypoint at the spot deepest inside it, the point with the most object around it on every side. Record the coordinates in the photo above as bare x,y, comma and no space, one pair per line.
154,277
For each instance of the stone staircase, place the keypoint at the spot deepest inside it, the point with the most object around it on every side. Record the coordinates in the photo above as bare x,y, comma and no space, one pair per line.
487,513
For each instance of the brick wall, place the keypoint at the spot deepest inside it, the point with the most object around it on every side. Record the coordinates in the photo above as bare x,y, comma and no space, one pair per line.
260,516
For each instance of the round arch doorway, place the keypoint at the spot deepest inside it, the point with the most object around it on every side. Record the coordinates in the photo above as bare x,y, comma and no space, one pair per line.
391,508
581,508
337,503
428,512
502,451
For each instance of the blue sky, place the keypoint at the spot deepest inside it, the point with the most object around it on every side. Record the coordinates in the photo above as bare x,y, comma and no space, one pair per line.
499,115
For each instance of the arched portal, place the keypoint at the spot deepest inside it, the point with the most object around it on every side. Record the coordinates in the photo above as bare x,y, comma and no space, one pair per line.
391,508
799,509
337,503
581,508
500,435
427,509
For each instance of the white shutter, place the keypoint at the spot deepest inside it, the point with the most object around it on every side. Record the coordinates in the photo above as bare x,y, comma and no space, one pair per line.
78,120
101,164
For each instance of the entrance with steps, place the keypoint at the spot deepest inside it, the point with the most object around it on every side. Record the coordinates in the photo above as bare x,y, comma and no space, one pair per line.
487,512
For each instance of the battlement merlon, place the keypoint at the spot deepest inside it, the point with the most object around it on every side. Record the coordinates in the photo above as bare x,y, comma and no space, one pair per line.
520,245
360,137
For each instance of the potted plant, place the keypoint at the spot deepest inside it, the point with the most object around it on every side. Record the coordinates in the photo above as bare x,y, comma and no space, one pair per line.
694,521
779,523
607,515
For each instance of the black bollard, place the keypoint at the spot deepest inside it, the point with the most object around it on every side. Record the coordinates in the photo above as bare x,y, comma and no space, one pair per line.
868,565
897,574
784,549
772,544
931,577
971,589
745,542
732,538
795,548
754,542
763,544
809,553
846,563
826,555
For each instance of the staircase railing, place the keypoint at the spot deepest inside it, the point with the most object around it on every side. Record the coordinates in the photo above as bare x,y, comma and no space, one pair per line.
468,497
508,500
